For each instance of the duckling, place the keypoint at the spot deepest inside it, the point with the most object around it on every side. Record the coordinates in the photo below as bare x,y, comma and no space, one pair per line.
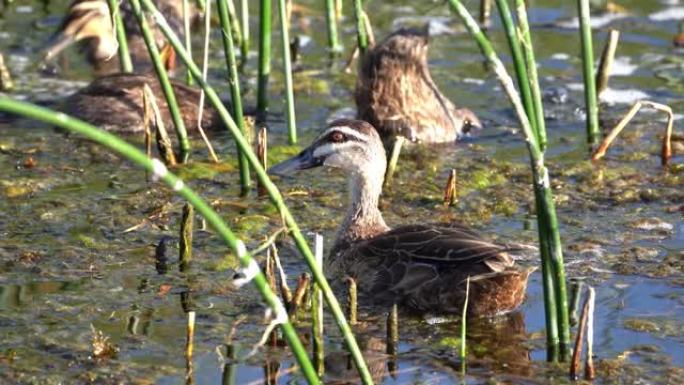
396,94
114,102
89,21
421,267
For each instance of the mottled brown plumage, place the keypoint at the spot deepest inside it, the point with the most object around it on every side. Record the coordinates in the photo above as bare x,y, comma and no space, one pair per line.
421,267
114,102
396,94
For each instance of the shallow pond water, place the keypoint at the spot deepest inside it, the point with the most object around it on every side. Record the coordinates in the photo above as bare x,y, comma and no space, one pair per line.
79,226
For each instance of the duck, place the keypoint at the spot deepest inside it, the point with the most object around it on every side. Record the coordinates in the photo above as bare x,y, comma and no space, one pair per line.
114,103
423,268
396,94
89,22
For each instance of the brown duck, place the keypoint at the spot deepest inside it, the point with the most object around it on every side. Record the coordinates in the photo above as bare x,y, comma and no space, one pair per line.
114,102
421,267
396,94
89,22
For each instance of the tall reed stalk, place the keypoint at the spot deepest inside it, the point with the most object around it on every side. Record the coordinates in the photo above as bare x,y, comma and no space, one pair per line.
331,21
164,82
588,72
244,24
287,72
160,172
125,63
361,32
186,34
553,270
235,95
264,57
275,195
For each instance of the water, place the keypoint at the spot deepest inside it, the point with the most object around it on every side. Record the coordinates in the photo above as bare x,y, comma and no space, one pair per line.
77,240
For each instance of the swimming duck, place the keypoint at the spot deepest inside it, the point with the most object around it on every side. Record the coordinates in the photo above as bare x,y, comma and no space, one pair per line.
421,267
89,21
396,94
114,102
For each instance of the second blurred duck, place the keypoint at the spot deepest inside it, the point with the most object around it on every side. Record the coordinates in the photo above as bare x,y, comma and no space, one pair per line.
89,22
396,94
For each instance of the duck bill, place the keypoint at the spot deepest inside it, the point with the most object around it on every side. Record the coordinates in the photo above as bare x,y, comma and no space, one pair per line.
303,161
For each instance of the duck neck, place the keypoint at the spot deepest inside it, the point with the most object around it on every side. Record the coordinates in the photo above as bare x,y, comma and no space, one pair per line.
363,219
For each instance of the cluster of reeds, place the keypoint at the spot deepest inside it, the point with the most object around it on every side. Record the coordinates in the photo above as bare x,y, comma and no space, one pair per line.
530,113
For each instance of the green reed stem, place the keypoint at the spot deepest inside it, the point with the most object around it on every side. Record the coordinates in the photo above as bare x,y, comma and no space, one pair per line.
287,71
235,95
186,33
264,57
234,23
164,82
125,62
519,62
531,64
331,20
158,170
361,33
244,23
551,254
317,320
275,195
588,72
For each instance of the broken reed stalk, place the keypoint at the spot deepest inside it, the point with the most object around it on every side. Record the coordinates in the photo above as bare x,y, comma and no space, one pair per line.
393,160
450,195
244,24
235,95
264,58
262,154
205,70
464,313
185,243
189,345
287,73
151,113
125,63
531,65
393,331
485,13
579,340
361,33
606,62
317,312
589,371
299,294
331,20
276,198
160,172
666,152
588,72
352,302
186,34
575,294
285,291
6,83
553,269
164,82
518,61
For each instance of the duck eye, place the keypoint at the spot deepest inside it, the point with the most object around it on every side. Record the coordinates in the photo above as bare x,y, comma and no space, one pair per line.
337,137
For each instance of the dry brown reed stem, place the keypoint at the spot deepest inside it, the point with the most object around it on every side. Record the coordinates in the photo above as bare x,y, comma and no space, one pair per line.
6,83
369,29
285,291
189,344
269,272
589,372
485,13
352,302
666,152
151,113
262,154
185,244
393,160
606,63
338,9
450,196
579,339
299,294
352,58
205,69
393,331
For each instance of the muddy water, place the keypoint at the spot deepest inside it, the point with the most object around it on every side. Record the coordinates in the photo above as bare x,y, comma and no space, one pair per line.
79,226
